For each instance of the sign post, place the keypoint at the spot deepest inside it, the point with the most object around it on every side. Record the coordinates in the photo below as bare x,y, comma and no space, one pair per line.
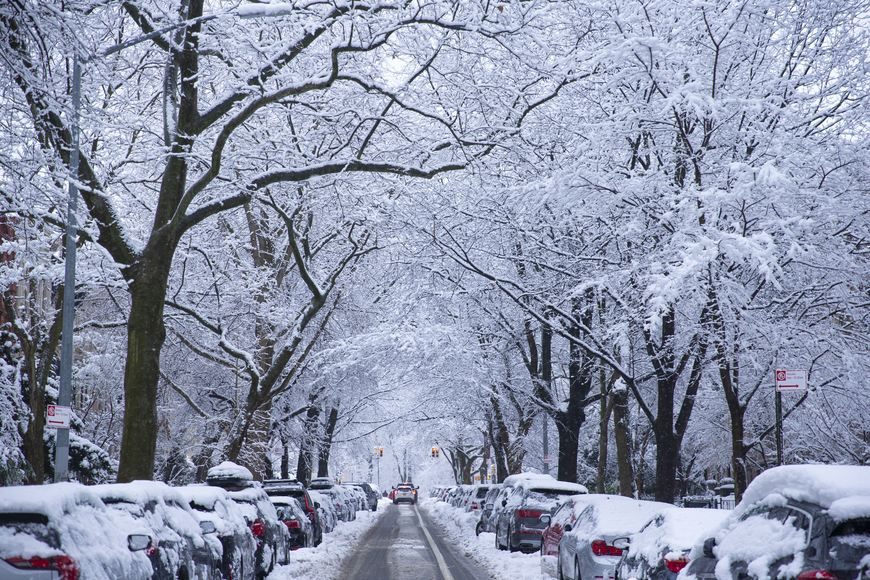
786,381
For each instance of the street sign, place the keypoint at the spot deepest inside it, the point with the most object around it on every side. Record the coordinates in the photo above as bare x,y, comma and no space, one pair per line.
791,380
57,417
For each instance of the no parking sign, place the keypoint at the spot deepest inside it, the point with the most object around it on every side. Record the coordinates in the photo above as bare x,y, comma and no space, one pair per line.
791,380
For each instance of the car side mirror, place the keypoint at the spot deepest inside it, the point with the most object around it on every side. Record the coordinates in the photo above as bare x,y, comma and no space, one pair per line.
709,543
568,527
504,503
545,519
207,527
138,542
317,505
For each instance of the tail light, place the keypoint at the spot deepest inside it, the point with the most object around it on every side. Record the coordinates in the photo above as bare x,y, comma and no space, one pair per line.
676,563
602,548
64,565
292,524
258,528
151,550
817,575
529,513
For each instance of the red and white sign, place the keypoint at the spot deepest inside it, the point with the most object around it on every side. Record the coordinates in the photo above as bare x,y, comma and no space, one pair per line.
57,417
789,380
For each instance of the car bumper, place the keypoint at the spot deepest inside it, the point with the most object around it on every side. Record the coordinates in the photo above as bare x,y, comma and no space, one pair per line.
527,539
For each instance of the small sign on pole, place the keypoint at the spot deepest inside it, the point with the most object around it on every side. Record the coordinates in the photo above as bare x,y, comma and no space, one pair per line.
57,417
791,380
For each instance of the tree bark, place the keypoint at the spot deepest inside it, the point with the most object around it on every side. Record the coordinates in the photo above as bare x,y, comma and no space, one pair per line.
326,444
622,435
306,461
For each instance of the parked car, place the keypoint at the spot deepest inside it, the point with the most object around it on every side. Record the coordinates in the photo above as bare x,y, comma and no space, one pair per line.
594,544
474,501
405,493
372,496
661,548
259,513
519,526
183,550
212,504
327,513
64,531
293,516
485,524
794,521
294,488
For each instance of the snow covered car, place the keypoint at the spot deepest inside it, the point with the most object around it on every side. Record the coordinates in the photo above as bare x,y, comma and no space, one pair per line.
182,549
795,521
661,548
294,518
405,493
259,513
519,526
593,546
326,510
371,495
212,504
486,509
294,488
63,531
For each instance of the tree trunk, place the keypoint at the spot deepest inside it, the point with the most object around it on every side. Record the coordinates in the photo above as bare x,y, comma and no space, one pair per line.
146,333
285,459
326,444
604,410
306,460
622,435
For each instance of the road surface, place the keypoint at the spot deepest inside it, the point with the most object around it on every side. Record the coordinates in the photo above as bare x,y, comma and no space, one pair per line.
405,545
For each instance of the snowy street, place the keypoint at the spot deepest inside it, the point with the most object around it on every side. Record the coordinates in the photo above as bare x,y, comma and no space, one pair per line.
406,544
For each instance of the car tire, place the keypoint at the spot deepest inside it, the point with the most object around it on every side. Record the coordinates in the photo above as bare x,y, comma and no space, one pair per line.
497,544
576,569
561,574
477,529
510,544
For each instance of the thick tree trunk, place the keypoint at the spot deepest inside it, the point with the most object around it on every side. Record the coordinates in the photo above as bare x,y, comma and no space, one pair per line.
146,333
604,410
500,441
326,444
285,459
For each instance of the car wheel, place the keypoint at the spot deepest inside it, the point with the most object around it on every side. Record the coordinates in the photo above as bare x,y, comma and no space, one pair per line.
510,544
576,569
559,566
478,529
497,544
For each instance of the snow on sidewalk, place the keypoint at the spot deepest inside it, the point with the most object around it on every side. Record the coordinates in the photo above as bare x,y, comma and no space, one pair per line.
325,562
459,527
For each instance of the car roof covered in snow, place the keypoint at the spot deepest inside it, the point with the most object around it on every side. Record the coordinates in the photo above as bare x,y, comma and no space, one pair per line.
230,470
203,495
49,500
551,484
819,484
138,492
616,514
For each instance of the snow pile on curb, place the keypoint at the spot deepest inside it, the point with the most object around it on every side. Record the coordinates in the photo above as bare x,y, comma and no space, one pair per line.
459,527
325,562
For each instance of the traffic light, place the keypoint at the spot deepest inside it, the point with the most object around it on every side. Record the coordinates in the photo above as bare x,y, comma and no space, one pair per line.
435,452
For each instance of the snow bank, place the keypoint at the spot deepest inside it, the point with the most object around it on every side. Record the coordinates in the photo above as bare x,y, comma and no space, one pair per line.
819,484
458,526
325,561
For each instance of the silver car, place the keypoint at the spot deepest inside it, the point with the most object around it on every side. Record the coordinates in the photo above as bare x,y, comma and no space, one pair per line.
594,545
405,493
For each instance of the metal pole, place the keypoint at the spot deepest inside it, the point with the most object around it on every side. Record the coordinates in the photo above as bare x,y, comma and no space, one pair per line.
778,407
64,397
546,447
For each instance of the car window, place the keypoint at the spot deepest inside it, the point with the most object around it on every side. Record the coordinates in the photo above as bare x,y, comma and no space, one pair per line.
34,525
563,513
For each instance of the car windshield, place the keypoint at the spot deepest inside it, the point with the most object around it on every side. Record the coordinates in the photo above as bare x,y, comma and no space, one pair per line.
852,538
131,508
33,525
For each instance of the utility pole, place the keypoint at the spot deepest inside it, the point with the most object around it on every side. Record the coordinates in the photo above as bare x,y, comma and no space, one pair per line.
546,447
64,396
